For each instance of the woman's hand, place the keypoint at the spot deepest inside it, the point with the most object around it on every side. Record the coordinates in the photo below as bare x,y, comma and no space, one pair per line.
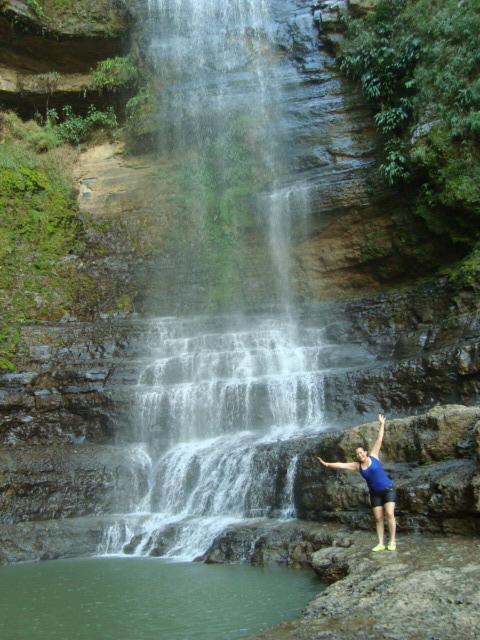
381,419
325,464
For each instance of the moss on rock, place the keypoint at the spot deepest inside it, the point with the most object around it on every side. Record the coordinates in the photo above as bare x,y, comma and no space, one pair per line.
82,18
47,248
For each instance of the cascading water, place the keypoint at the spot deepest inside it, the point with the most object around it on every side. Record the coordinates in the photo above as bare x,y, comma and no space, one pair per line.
213,408
224,387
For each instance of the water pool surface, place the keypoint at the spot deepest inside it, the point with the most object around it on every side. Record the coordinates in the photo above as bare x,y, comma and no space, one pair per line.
145,599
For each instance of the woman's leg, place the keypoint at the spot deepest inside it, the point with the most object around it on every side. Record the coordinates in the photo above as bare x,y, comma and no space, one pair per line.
390,513
378,515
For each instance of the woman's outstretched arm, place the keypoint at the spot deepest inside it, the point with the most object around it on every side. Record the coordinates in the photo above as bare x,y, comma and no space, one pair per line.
375,450
345,466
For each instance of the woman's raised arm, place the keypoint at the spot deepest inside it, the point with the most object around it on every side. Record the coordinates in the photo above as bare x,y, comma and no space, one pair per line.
375,450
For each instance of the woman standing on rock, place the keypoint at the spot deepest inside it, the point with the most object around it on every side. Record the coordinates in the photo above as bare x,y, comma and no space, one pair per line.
382,491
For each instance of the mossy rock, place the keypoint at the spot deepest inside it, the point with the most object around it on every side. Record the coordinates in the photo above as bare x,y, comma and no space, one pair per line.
83,18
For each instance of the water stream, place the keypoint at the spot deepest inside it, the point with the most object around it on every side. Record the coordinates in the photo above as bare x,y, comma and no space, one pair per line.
225,386
212,409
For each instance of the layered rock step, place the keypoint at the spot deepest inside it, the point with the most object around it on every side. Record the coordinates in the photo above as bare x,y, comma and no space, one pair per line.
433,460
48,49
44,483
86,383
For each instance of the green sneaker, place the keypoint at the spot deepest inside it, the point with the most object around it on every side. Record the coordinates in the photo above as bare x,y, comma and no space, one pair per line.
392,546
379,547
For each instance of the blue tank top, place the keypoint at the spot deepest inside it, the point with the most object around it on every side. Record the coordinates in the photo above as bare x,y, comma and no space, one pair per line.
375,476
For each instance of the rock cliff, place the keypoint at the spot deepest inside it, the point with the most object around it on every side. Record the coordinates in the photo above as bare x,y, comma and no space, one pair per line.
365,269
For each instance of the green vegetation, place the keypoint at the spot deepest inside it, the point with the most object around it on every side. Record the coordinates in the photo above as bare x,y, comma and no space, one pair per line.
115,73
418,62
37,7
41,233
467,272
71,128
377,246
61,5
39,227
24,139
75,129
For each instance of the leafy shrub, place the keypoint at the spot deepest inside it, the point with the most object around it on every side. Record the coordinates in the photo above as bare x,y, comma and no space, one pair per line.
114,73
417,61
467,272
13,125
395,168
43,138
392,119
76,129
39,138
36,7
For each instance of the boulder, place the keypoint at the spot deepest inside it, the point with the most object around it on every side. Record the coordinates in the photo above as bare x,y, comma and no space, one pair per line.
431,458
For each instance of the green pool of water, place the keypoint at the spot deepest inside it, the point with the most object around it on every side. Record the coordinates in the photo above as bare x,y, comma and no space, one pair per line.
145,599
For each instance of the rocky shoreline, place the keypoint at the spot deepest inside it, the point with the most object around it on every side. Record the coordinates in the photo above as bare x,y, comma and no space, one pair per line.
428,588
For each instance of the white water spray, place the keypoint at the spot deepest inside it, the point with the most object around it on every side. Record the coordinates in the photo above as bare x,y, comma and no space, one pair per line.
222,395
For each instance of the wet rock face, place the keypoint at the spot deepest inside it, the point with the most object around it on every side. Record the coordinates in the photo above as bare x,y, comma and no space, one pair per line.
63,391
431,458
423,346
45,483
362,238
133,206
52,539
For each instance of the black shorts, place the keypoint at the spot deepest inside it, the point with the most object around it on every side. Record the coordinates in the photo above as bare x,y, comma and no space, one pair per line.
379,498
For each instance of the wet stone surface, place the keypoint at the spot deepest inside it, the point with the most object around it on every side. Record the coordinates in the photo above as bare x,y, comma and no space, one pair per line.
428,588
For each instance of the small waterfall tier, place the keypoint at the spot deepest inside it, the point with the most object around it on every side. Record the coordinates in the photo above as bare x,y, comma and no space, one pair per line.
216,412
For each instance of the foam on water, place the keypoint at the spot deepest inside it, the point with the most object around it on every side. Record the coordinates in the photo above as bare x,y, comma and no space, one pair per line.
207,444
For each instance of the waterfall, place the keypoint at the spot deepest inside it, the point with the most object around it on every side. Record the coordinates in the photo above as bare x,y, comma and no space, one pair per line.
225,387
